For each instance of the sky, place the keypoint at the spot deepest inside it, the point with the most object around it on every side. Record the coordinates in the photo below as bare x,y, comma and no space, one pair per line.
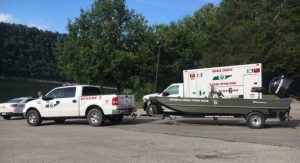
53,15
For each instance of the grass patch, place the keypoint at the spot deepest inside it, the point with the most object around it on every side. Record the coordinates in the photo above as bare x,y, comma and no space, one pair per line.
270,97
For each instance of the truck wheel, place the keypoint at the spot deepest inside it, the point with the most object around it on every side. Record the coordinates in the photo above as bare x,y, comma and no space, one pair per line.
282,118
33,118
7,117
116,119
59,121
255,120
95,117
151,110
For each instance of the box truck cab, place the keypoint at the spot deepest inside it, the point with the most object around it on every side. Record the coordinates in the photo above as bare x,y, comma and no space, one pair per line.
217,82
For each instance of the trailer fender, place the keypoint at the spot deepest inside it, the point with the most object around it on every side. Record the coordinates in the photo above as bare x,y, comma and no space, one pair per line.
257,112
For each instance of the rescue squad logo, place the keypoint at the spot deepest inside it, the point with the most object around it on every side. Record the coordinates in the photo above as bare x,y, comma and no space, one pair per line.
221,77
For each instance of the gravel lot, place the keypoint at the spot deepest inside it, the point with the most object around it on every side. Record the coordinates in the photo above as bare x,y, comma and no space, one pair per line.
148,139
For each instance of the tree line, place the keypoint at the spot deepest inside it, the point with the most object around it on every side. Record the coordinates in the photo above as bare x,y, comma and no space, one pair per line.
112,45
28,52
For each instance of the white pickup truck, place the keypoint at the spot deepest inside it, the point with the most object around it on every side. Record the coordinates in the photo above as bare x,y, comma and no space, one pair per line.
80,101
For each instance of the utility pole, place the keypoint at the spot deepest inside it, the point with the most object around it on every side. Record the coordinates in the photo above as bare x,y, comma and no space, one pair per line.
160,43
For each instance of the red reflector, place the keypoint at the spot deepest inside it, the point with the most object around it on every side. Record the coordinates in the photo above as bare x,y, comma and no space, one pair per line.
14,105
114,101
256,70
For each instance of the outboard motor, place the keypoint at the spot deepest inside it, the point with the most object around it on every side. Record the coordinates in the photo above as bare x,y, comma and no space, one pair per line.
283,88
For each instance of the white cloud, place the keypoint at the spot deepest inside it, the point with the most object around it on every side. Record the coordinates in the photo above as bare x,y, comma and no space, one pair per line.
6,18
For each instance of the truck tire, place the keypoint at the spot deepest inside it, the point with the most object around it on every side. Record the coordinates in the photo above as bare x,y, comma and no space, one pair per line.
283,118
95,117
255,120
7,117
33,118
59,121
116,119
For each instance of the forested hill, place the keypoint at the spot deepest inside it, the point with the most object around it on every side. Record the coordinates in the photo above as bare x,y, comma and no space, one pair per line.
27,52
112,45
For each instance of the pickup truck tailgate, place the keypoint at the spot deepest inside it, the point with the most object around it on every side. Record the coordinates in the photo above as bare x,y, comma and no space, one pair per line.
126,101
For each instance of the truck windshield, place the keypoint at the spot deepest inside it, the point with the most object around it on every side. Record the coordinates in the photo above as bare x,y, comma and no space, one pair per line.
174,89
90,91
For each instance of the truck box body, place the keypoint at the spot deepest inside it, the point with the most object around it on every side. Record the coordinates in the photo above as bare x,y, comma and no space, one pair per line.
233,81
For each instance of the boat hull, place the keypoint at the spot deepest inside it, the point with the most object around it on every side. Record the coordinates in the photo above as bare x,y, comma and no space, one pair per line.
224,106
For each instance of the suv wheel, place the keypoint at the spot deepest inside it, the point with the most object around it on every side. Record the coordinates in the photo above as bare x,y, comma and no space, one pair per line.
7,117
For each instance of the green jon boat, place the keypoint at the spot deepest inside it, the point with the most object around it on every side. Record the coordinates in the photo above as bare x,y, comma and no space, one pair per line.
225,106
255,111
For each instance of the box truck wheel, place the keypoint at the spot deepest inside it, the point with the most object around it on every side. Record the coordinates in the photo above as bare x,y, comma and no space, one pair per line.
95,117
255,120
283,117
152,110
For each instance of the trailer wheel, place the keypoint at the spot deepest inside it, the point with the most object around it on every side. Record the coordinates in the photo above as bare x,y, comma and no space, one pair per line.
152,110
7,117
255,120
95,117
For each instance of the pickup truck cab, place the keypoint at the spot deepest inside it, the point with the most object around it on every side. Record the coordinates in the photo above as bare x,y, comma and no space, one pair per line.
80,101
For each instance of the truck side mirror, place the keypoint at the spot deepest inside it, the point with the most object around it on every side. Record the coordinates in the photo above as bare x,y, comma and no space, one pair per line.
165,94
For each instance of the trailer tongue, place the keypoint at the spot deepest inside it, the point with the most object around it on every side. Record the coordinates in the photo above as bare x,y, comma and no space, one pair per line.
255,111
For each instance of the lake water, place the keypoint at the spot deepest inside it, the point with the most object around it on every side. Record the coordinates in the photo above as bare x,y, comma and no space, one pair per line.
12,88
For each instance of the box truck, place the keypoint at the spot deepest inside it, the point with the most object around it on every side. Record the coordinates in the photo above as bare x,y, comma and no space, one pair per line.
225,92
225,82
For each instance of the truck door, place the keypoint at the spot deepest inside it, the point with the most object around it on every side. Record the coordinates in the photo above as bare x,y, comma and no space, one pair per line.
249,82
69,104
50,106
